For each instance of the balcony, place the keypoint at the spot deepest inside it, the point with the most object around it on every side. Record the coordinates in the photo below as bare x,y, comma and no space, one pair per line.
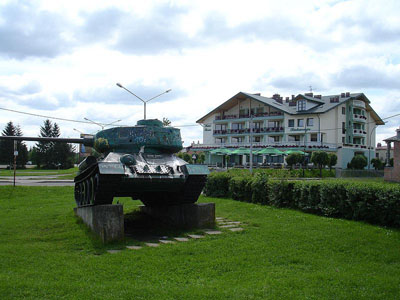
310,146
359,118
247,116
247,130
359,132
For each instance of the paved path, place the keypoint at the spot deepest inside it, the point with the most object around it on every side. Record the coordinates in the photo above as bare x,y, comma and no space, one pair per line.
36,181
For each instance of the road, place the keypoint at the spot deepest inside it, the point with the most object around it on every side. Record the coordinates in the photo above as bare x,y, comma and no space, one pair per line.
36,181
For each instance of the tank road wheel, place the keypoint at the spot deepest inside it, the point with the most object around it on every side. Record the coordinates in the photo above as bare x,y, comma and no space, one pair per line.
84,192
77,194
91,190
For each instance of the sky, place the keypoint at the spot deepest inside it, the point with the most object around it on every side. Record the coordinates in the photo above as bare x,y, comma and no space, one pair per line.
64,58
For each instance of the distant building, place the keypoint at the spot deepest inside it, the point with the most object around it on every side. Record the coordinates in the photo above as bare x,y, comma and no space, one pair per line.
85,151
393,173
344,124
381,152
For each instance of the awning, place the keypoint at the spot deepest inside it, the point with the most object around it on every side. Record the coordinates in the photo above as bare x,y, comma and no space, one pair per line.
270,151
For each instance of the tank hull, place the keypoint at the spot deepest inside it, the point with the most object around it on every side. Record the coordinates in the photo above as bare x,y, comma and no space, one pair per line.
156,180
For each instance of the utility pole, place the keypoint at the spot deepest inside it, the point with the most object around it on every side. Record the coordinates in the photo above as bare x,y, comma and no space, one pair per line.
15,159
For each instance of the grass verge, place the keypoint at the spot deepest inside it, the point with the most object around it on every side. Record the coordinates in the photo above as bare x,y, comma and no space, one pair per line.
45,252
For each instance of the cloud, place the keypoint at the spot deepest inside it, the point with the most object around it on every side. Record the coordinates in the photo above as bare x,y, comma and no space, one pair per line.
155,33
27,32
366,77
115,95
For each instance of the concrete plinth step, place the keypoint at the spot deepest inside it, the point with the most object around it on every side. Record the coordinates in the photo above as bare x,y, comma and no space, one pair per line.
134,247
113,251
236,229
167,242
152,244
195,236
181,239
213,232
228,226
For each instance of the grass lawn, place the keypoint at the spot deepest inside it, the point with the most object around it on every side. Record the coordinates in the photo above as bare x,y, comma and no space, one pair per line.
45,252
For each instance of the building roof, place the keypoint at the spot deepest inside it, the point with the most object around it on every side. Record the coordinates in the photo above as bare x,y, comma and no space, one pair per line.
324,104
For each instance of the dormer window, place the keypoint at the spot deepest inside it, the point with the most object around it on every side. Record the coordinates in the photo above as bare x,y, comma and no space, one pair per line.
301,105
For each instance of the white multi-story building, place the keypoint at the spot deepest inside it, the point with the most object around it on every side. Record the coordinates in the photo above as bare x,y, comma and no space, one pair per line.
343,123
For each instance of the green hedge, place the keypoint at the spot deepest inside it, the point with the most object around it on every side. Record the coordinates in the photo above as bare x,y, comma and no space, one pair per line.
376,203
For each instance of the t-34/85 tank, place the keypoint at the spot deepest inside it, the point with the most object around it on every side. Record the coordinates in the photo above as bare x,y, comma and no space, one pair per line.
138,162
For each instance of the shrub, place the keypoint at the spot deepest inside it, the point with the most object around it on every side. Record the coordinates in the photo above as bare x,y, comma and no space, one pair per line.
217,184
259,187
376,203
358,162
320,159
332,160
240,188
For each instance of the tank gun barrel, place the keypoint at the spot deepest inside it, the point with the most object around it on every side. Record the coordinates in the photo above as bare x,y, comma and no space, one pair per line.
85,141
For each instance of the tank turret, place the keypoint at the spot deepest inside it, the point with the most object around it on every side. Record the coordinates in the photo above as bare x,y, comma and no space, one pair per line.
137,162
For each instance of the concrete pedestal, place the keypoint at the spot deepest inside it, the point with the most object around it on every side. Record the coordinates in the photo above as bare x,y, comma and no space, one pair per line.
107,221
199,215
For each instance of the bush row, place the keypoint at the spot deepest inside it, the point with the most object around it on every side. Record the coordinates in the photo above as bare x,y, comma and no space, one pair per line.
376,203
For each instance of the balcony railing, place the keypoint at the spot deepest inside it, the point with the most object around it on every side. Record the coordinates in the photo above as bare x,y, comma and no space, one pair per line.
247,130
359,117
359,131
246,116
289,145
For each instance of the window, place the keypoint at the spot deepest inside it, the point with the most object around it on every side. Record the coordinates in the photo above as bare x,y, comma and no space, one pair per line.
291,123
220,140
220,126
313,137
237,139
300,123
275,124
257,139
294,138
343,110
256,125
343,127
243,113
237,126
259,110
301,105
273,139
344,140
310,122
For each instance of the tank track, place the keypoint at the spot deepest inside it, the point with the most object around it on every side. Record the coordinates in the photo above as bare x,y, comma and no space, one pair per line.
93,188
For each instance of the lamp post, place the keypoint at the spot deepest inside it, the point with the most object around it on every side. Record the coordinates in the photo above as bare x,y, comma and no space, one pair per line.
251,143
99,124
144,101
369,148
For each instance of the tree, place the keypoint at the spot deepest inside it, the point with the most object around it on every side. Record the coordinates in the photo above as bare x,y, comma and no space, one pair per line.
358,162
377,163
166,122
7,147
53,154
332,160
22,157
320,159
294,159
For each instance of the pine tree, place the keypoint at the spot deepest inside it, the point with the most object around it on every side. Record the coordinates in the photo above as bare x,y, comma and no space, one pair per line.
7,146
45,149
53,154
22,157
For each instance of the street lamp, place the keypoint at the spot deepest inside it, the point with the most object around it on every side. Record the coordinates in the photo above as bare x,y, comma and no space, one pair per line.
99,124
144,101
77,130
